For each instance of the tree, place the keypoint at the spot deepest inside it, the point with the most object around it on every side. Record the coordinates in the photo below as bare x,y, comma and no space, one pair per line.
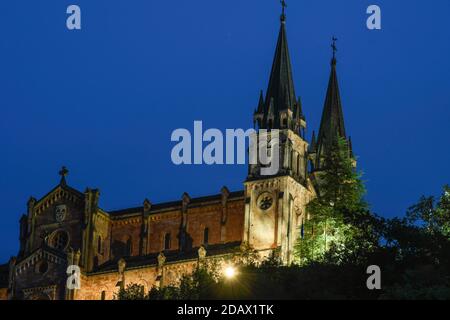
131,292
413,254
200,284
418,246
433,216
339,217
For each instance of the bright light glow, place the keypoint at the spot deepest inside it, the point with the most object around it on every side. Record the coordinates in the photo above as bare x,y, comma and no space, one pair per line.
230,272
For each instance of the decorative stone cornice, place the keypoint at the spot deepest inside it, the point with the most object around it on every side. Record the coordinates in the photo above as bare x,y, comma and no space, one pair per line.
136,220
57,195
265,184
49,291
36,257
164,216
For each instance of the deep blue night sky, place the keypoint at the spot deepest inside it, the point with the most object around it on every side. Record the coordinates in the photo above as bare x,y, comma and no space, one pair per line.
104,100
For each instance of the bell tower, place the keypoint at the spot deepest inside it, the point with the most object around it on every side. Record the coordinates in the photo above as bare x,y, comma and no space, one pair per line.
275,202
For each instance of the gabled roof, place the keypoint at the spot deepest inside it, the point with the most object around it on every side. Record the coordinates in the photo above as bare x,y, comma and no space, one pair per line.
54,192
154,208
39,252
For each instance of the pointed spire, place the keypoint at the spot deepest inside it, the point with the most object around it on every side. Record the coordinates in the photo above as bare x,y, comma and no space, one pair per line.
332,123
281,84
270,110
258,115
296,111
260,103
280,108
300,109
312,146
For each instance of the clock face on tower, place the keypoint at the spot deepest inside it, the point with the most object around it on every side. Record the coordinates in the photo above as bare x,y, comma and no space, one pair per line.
265,201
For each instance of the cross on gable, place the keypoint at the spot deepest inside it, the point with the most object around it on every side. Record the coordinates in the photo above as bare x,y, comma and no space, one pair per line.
63,173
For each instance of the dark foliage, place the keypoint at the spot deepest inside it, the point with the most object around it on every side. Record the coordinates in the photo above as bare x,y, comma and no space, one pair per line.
413,254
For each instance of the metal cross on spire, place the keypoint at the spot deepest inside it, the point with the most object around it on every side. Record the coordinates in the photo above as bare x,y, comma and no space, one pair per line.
333,45
284,6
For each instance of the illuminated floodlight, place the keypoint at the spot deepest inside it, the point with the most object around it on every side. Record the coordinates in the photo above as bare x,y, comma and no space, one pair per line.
229,272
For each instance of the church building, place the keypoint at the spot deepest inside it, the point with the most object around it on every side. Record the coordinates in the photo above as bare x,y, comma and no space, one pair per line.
156,243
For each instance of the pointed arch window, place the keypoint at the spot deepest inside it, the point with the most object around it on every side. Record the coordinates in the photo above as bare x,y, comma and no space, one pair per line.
291,160
206,236
129,247
167,241
99,245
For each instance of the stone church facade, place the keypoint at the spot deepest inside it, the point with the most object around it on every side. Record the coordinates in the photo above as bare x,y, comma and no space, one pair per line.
155,244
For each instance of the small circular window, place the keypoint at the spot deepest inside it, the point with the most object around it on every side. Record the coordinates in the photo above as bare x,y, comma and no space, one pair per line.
265,201
42,267
59,240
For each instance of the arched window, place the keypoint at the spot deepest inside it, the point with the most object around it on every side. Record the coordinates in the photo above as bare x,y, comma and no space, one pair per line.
205,236
129,247
167,241
59,240
291,160
294,162
304,165
42,267
99,245
103,295
299,172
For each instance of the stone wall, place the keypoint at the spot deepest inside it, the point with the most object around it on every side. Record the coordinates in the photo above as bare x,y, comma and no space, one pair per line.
116,235
164,274
158,226
101,238
46,221
42,269
93,285
234,227
125,230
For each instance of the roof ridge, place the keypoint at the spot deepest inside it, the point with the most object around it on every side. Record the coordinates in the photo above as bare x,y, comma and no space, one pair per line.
175,202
